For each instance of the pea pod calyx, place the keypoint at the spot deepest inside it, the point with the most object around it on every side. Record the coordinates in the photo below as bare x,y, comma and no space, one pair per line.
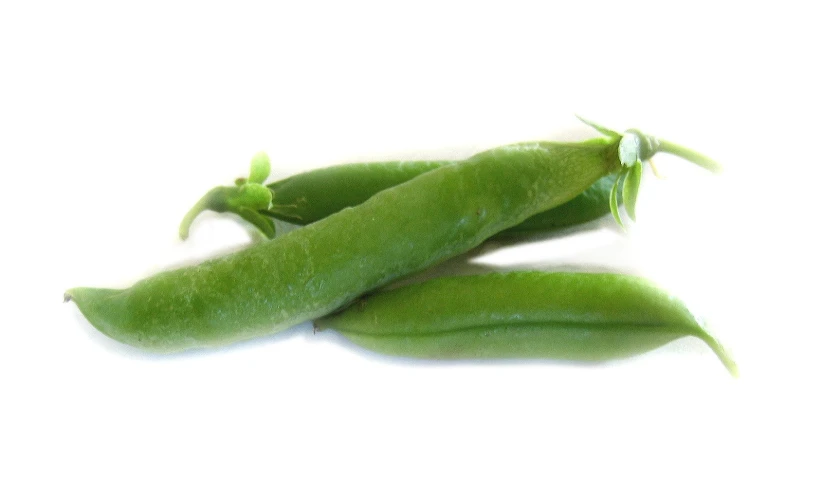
635,150
246,199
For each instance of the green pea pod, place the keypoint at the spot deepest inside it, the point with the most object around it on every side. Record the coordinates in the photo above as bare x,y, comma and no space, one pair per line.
566,316
311,196
312,271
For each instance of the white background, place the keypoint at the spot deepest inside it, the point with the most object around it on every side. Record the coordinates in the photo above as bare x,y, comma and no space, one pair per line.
114,119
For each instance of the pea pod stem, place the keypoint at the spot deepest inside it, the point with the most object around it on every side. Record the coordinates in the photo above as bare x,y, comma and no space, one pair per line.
209,202
690,156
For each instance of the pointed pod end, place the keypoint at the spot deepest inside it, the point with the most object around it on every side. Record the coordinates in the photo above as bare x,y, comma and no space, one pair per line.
729,363
732,368
84,295
720,352
80,297
106,312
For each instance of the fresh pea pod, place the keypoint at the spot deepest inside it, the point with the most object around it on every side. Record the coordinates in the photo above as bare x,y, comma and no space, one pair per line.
307,197
312,271
529,314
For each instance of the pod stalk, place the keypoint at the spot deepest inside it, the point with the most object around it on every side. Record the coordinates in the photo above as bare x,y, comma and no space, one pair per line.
213,200
689,155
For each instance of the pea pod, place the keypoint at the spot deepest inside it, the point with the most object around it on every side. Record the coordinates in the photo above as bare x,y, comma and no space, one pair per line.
314,270
529,314
307,197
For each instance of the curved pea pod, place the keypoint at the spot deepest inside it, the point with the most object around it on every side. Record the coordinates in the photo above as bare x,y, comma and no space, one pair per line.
568,316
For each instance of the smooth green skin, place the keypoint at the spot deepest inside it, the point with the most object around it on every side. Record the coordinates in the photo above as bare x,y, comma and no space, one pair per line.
314,270
590,205
568,316
307,197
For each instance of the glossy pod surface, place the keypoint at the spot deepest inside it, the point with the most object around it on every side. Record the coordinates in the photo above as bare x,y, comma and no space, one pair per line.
569,316
316,269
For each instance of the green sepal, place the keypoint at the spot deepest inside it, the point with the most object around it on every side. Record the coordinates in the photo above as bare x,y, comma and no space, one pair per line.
630,188
265,225
614,199
605,131
251,195
260,168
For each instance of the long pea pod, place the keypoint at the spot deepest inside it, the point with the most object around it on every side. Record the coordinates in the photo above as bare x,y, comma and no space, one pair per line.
310,196
312,271
591,317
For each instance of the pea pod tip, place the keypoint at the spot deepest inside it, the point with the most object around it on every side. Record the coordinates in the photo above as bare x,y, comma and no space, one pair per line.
721,353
